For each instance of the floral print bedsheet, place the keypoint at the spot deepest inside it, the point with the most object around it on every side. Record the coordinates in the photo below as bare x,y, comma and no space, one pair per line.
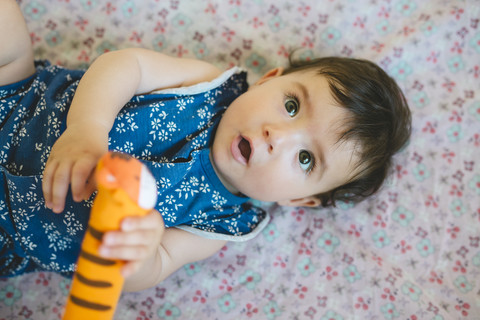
411,252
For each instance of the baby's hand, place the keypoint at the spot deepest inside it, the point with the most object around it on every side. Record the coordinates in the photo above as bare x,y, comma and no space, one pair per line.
136,242
72,160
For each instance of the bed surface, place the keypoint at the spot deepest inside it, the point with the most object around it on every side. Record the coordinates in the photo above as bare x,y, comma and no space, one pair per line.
410,252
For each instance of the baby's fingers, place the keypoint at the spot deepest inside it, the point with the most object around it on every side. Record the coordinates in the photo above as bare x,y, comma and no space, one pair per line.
153,220
47,182
127,253
133,238
137,240
81,172
89,188
56,186
130,268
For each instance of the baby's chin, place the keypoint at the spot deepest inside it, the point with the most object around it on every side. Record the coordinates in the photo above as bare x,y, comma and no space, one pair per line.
241,192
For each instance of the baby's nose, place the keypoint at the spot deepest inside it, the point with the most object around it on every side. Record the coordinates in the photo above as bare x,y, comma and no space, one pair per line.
277,137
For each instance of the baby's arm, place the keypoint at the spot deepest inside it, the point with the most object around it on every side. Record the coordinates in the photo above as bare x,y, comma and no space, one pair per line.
153,253
112,80
16,54
178,248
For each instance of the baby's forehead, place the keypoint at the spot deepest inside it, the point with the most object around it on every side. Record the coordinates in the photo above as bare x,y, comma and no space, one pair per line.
307,73
313,82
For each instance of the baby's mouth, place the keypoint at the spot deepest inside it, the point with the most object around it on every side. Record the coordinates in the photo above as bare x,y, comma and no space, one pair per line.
245,149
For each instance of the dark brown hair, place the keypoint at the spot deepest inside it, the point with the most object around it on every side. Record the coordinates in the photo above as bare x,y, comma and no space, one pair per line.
379,121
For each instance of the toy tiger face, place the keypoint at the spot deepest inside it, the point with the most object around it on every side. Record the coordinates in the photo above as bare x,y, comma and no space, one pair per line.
125,188
121,171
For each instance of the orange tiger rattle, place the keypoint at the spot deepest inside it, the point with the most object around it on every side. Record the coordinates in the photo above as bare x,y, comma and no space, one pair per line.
125,186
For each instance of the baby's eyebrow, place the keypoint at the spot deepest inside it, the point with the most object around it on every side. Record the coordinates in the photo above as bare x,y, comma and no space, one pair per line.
304,92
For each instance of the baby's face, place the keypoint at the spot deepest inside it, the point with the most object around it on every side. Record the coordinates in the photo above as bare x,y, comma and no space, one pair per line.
279,140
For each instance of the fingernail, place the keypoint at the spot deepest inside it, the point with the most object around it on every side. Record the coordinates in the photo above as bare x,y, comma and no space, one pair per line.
126,226
108,240
103,251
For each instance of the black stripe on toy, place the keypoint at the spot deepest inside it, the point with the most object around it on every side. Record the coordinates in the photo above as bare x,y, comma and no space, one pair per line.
95,233
92,283
96,259
87,304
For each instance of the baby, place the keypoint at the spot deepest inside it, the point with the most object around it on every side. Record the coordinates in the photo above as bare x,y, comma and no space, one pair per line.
308,135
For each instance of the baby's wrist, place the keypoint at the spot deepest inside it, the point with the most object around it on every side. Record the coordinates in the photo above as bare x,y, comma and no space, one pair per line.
90,126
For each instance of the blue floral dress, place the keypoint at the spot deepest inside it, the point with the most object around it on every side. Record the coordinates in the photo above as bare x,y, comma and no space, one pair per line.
170,131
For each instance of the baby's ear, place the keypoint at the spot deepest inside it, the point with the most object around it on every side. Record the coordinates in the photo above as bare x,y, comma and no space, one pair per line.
311,201
270,74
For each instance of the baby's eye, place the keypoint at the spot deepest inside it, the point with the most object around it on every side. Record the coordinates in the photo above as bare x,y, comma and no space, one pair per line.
306,160
292,107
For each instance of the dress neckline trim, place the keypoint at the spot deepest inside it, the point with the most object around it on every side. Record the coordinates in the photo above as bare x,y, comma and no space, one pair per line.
202,86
